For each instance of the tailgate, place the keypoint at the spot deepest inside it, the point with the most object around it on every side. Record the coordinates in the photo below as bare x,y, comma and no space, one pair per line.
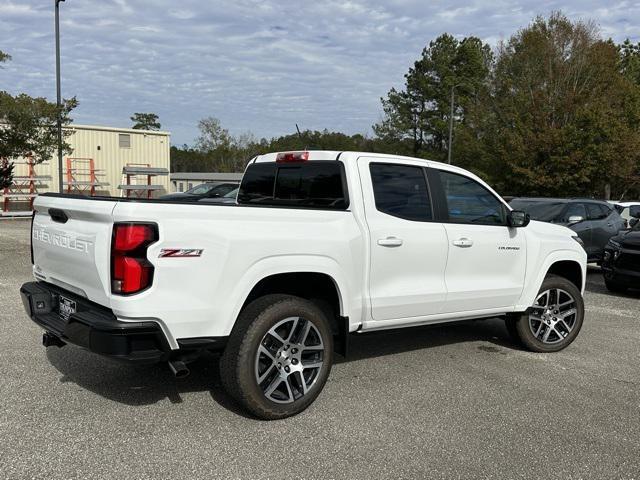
71,241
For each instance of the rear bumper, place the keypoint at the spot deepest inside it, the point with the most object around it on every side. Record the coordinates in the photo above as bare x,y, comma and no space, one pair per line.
93,326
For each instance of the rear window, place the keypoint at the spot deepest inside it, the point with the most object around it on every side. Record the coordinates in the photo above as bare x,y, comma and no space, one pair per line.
308,184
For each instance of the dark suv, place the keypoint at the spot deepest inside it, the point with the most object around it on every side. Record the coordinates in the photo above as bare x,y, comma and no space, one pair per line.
594,221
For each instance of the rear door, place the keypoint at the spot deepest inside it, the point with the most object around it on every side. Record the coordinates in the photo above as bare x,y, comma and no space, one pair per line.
487,259
408,249
71,240
605,223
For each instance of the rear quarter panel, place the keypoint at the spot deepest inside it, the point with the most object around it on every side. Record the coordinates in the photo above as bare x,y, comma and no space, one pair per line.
202,296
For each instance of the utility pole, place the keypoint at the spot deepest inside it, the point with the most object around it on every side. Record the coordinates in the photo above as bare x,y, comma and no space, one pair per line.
450,127
58,95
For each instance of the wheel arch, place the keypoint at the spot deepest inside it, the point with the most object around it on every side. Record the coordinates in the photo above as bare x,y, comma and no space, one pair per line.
568,269
564,263
316,278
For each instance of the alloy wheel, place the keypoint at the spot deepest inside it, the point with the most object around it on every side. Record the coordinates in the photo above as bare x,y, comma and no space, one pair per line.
289,360
553,316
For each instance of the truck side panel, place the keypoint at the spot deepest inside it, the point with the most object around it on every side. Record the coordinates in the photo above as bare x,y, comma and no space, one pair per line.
201,296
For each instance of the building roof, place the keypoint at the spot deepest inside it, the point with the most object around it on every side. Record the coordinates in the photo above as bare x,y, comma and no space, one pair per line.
207,176
74,126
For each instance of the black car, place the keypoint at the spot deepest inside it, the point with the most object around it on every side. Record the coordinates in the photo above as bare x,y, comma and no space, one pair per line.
594,221
621,262
229,198
204,190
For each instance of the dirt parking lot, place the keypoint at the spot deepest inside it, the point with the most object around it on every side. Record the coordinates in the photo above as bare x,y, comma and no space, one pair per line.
456,401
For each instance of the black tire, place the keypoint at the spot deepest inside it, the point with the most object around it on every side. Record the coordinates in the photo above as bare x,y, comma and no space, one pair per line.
524,332
238,362
615,287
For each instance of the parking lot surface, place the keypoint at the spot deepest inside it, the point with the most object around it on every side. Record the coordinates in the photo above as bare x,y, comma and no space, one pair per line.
453,401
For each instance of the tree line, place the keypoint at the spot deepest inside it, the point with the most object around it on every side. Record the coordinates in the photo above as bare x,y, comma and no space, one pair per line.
554,110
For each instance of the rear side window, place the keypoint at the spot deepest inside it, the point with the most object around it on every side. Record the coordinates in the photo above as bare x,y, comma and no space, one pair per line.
470,202
606,210
595,211
401,191
308,184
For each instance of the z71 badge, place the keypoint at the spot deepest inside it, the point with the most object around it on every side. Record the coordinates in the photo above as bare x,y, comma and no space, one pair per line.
180,252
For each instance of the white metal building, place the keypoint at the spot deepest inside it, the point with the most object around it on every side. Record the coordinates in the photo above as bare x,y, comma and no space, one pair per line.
96,165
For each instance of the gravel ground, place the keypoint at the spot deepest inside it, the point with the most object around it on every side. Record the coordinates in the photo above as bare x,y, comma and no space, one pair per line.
455,401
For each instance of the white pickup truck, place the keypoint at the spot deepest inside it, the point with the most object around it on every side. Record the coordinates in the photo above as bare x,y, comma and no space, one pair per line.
320,245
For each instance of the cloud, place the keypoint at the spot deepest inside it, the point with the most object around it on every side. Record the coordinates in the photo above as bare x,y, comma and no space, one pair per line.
257,65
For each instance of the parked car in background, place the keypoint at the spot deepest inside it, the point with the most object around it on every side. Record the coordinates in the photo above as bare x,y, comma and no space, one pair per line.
230,197
628,211
204,190
594,221
621,262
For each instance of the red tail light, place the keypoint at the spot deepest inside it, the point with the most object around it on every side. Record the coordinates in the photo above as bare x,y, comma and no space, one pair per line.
131,272
286,157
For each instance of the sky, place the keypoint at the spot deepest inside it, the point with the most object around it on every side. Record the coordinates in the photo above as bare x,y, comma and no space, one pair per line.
258,66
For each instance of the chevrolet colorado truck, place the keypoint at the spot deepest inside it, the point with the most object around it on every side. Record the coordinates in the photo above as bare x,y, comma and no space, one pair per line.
319,245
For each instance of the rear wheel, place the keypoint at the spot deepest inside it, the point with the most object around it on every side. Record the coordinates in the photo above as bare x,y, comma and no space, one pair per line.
555,318
278,357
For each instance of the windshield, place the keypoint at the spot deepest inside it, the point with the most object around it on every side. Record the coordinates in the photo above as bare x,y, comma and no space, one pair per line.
542,211
200,189
232,194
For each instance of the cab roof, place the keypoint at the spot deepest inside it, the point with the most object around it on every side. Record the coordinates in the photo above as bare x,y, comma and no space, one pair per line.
314,155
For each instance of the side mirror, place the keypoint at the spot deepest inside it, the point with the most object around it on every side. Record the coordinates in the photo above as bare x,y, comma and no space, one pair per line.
575,219
633,222
518,218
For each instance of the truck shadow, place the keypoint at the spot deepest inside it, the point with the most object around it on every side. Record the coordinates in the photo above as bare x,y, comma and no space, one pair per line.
391,342
138,385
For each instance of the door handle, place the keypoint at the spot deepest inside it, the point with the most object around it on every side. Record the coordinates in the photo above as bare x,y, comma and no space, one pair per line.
463,242
390,242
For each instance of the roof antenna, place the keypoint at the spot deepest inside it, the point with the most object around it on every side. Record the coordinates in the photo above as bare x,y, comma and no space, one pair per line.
300,135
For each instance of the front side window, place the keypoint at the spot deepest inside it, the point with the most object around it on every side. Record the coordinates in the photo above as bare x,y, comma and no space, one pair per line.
469,202
401,191
574,210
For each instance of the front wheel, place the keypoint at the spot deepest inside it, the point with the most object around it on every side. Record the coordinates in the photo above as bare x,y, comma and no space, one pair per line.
278,357
555,318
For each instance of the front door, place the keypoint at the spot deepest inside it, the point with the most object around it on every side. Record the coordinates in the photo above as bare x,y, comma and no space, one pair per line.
408,249
487,259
